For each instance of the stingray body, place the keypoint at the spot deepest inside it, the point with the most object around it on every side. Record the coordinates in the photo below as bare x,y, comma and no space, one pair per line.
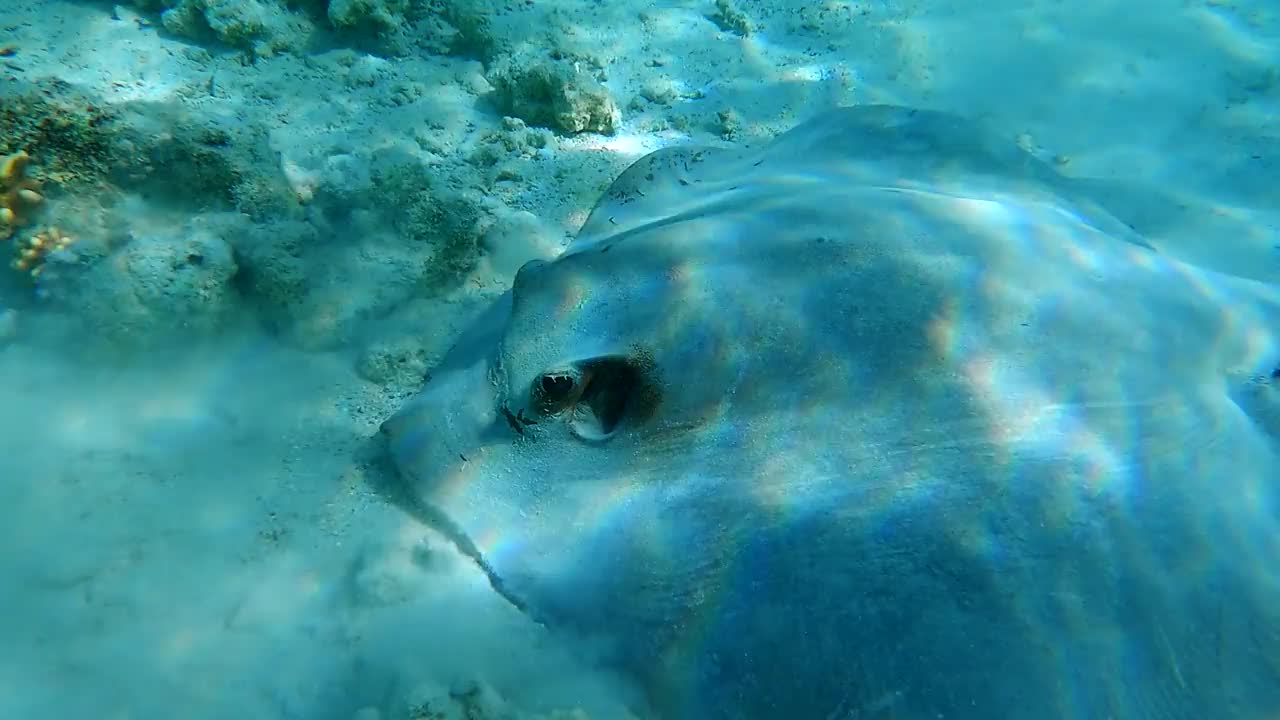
879,420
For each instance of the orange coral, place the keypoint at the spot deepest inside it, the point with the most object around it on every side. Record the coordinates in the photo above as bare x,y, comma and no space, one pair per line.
19,195
32,251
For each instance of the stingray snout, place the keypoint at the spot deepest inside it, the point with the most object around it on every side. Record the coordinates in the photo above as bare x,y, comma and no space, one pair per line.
442,427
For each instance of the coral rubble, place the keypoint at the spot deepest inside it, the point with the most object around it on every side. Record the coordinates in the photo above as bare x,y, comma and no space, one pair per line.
553,94
19,195
33,250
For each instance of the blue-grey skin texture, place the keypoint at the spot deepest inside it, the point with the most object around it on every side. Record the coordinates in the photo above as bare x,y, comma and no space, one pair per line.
879,420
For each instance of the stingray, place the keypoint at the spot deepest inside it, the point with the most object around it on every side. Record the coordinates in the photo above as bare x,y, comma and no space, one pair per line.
881,419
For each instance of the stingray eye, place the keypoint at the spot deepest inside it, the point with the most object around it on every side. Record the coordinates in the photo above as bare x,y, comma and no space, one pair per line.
598,395
555,391
556,387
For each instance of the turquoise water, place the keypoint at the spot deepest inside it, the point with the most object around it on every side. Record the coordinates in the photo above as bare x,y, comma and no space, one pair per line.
897,415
